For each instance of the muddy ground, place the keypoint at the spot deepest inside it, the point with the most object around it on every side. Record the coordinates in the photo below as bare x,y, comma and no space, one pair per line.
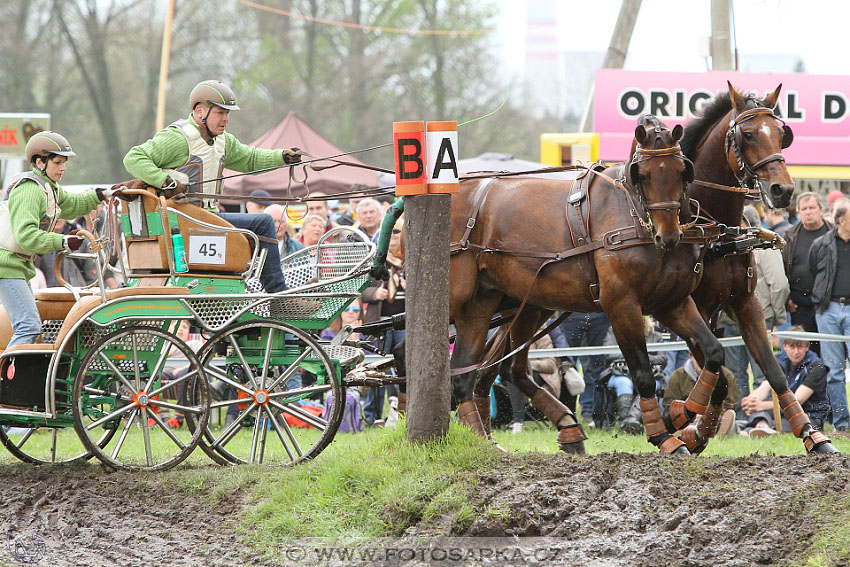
613,509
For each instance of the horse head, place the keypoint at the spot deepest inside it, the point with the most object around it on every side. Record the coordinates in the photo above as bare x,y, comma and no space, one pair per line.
659,174
755,138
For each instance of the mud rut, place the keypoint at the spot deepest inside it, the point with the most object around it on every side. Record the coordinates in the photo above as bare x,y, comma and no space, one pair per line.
612,509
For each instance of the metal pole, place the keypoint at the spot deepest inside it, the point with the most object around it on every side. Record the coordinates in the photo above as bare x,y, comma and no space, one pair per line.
163,66
721,40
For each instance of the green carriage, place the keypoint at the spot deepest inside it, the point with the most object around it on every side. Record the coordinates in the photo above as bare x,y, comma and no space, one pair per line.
100,364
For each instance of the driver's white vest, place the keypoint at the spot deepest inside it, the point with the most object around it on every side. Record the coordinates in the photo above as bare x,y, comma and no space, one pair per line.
205,163
47,223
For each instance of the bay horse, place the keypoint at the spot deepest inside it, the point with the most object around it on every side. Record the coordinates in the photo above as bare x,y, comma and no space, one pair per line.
735,145
609,241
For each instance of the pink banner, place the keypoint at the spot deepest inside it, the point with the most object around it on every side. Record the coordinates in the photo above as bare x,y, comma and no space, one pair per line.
817,107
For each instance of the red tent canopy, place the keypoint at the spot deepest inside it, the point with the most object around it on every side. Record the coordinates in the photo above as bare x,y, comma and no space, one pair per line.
291,132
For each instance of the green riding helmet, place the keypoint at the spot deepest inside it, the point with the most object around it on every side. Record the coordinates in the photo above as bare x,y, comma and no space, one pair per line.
215,93
46,143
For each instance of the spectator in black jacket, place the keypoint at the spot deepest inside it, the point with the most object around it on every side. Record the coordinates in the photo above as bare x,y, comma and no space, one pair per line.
829,262
796,254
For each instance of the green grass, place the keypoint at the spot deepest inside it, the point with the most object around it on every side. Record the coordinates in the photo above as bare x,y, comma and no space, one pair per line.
543,439
373,484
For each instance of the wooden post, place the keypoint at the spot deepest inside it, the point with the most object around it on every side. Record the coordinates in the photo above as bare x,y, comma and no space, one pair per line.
777,412
426,300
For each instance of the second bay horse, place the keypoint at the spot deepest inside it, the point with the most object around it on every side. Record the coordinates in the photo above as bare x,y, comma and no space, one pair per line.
736,146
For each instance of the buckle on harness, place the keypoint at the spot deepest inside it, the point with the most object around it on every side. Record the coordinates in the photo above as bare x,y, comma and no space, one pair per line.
470,224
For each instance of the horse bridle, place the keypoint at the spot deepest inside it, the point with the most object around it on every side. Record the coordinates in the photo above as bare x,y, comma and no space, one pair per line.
747,175
644,154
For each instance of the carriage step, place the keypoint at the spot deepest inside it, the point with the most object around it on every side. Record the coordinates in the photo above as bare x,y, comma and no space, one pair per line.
346,355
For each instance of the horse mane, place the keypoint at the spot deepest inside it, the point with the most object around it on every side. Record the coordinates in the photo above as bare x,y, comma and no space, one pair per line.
712,112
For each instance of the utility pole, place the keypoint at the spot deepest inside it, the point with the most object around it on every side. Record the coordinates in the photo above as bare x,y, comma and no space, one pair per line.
721,40
163,65
618,48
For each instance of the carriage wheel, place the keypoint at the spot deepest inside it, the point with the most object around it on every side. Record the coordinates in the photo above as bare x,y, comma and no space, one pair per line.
118,387
47,445
253,363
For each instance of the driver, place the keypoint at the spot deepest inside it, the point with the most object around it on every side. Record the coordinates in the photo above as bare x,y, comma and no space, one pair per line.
193,152
29,209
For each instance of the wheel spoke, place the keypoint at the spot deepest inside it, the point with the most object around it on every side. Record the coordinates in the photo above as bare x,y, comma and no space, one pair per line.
295,411
283,442
258,424
119,412
124,432
245,366
167,429
266,357
155,371
173,383
146,434
290,370
226,434
117,372
136,369
177,407
25,437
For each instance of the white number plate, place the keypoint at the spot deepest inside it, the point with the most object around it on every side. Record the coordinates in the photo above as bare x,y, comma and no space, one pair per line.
207,249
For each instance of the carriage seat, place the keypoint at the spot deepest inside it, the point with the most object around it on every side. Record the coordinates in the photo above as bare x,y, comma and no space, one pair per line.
147,249
57,303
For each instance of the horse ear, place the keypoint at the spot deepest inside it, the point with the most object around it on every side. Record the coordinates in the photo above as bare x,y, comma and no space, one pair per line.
787,136
640,134
736,98
771,99
678,131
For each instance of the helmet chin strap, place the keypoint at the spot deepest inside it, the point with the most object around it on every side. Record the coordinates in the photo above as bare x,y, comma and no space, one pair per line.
204,122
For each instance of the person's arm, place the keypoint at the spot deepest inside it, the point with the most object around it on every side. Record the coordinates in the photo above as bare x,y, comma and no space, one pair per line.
74,205
166,150
239,157
815,378
803,393
756,400
27,206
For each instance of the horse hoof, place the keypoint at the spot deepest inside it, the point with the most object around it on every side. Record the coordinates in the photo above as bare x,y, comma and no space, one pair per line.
574,448
681,451
825,448
817,442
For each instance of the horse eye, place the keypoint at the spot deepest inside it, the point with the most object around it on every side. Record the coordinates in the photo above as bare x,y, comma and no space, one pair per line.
748,136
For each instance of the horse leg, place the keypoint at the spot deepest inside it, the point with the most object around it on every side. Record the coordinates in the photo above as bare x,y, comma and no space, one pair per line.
704,427
753,330
570,435
472,321
487,376
627,324
705,398
686,321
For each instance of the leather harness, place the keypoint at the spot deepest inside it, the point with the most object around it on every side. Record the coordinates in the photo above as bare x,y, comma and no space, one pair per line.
578,211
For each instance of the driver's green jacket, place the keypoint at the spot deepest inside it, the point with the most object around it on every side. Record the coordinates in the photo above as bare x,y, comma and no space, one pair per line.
27,206
168,149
